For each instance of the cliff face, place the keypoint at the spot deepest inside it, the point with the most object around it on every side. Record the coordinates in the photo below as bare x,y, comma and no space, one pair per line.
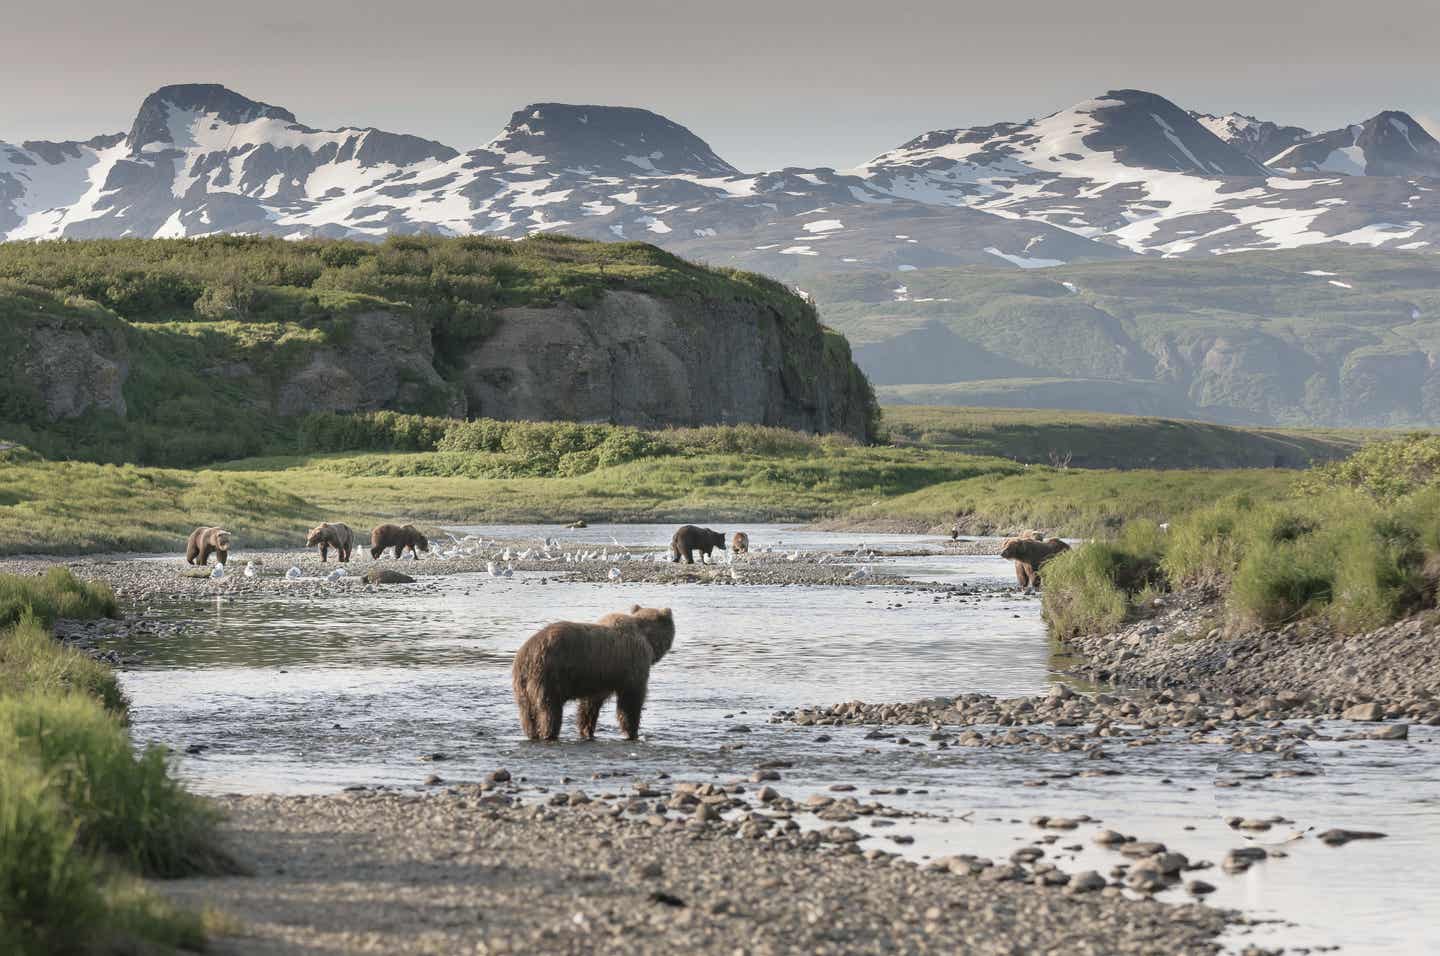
635,359
632,358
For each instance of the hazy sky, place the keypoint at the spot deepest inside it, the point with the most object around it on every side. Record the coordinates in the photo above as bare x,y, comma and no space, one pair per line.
768,83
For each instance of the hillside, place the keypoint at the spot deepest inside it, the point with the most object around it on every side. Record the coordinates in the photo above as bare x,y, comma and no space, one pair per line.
1334,338
1091,440
178,352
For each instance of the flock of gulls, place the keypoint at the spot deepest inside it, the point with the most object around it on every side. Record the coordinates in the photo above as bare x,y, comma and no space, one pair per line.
500,561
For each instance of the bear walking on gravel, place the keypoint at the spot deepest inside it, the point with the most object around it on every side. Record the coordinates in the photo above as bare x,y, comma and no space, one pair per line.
204,542
327,536
398,537
740,542
690,539
1029,554
568,661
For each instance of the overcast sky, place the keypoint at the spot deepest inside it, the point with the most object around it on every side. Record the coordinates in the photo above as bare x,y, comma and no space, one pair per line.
768,83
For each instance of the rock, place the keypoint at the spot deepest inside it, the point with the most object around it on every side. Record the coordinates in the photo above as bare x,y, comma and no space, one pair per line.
767,794
498,776
651,871
1390,732
386,576
1109,838
1026,854
1199,888
1087,881
1341,837
433,780
1368,712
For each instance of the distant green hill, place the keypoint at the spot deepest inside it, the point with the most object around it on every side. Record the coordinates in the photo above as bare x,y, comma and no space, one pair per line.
1093,440
1329,337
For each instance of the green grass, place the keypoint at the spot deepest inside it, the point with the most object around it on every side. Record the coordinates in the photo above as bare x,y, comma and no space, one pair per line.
1099,440
82,815
1323,552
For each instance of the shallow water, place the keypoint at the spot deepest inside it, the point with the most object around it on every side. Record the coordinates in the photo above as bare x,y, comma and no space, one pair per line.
293,693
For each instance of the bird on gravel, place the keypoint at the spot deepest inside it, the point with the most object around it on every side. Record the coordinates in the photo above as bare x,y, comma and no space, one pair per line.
490,567
510,571
218,573
614,574
249,569
858,573
293,573
336,575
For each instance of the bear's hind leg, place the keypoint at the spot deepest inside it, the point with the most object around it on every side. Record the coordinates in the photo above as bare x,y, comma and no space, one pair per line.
628,704
587,715
552,715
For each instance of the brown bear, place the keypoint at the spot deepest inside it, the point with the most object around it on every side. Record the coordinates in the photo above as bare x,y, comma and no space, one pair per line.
1029,554
327,536
204,542
568,661
740,542
690,538
399,538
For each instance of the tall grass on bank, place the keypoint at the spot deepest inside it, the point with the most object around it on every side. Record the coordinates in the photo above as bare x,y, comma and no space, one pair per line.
81,814
1340,557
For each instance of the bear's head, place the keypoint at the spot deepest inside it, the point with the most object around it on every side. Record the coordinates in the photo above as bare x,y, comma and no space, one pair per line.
1016,549
222,540
657,626
317,535
418,539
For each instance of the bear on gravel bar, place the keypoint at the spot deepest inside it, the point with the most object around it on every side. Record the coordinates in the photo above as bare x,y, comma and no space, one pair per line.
690,539
204,542
568,661
399,538
327,536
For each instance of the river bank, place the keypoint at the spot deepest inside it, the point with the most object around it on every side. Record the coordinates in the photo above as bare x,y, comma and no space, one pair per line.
465,871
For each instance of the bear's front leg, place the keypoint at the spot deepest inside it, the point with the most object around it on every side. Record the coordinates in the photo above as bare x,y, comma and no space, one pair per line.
324,551
628,704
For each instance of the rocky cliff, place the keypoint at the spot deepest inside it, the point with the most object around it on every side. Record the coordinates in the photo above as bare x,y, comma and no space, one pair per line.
138,376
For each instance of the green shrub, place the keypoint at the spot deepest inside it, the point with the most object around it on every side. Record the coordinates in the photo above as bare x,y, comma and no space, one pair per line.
1385,471
50,897
125,805
51,596
32,661
1080,594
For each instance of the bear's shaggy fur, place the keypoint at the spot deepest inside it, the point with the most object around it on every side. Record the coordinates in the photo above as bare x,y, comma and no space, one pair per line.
204,542
399,538
1029,554
740,542
327,536
690,538
568,661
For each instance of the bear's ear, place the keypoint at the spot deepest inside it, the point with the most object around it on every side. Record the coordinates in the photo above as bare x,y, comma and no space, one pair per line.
634,608
666,613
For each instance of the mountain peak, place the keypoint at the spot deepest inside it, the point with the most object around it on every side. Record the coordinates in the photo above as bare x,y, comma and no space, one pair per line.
1259,139
619,139
152,123
1390,143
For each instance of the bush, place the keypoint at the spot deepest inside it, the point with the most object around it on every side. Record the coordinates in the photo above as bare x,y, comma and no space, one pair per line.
32,661
54,595
1385,471
126,806
1080,594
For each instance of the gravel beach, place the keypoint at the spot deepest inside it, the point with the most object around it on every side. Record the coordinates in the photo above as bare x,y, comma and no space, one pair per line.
461,872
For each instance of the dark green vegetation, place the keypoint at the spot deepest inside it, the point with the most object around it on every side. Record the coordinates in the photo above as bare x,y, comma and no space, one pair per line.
371,468
1096,440
82,816
180,352
1354,544
1247,338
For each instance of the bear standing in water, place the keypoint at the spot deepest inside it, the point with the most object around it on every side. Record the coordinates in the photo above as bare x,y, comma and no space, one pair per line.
1029,554
399,538
327,536
204,542
690,538
568,661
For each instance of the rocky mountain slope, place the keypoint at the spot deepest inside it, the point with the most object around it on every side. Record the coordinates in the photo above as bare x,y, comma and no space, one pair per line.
1125,173
178,352
1305,337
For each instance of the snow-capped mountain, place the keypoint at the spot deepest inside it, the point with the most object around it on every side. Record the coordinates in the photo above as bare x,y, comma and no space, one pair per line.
1259,139
1387,144
1123,174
